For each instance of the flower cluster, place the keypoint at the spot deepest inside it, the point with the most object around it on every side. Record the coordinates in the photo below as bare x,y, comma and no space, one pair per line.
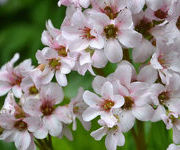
92,34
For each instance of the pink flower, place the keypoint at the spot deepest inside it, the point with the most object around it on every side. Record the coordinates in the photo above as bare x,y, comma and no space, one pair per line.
49,115
102,106
54,64
81,33
77,107
114,31
173,121
114,136
165,97
11,77
15,126
49,36
166,60
159,10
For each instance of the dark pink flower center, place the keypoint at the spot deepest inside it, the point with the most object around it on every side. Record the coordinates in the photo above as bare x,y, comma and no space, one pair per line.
163,97
144,27
20,125
47,108
128,103
111,31
161,14
107,105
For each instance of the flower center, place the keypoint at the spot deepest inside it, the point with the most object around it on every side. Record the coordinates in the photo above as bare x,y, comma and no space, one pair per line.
16,79
33,90
61,51
20,125
143,27
54,63
19,113
163,97
47,108
87,34
111,31
128,103
89,50
107,105
109,12
178,23
75,109
161,14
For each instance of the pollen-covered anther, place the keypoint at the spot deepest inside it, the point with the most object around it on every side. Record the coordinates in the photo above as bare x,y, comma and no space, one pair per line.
33,90
107,105
20,125
163,97
54,63
111,31
61,51
128,103
87,33
109,12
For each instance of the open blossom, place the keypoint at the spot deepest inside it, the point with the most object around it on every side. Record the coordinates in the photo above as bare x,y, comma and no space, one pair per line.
103,105
50,36
54,64
15,126
114,136
165,97
77,107
114,32
166,60
81,33
11,76
45,108
76,3
172,121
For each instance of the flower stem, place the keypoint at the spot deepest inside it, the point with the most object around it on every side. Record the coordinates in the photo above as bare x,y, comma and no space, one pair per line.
139,137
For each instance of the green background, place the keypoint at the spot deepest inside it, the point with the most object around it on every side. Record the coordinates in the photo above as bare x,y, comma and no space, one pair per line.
21,25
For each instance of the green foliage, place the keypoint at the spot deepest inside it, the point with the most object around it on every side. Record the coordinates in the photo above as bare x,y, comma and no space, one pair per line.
22,22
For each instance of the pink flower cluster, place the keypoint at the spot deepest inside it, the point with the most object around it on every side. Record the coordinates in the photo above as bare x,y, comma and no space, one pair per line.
93,33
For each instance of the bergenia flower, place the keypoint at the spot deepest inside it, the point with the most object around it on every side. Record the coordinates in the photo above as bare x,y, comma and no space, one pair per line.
114,32
114,136
54,64
166,60
49,114
103,105
77,107
81,33
172,121
13,121
165,97
11,77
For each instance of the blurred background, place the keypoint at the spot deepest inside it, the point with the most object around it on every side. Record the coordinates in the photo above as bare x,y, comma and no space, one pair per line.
21,25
